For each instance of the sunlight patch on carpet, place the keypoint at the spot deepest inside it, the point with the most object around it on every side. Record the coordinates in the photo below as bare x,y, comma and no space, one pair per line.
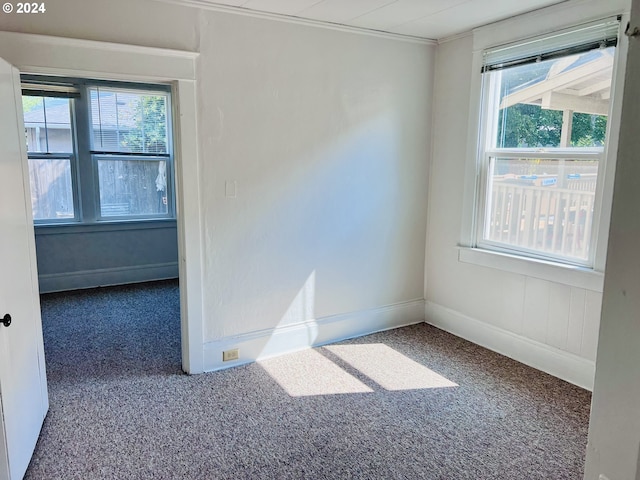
389,368
309,373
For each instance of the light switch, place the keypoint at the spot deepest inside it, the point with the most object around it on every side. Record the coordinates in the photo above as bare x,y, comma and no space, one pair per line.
230,189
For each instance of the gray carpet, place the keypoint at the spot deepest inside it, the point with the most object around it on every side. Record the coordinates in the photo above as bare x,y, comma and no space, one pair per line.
410,403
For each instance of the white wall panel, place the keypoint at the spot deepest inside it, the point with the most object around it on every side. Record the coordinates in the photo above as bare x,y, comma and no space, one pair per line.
536,309
512,298
558,319
593,308
576,320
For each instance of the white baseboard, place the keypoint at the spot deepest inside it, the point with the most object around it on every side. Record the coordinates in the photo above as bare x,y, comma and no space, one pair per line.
262,344
561,364
102,277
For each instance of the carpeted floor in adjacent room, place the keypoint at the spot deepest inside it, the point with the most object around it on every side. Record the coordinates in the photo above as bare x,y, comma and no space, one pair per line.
409,403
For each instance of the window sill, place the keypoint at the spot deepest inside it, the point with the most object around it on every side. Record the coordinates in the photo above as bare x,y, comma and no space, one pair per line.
103,226
580,277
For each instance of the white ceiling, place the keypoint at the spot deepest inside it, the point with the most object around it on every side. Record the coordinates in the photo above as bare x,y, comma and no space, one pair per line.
431,19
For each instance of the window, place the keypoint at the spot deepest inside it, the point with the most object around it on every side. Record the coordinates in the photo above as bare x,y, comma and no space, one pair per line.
98,151
130,135
543,141
47,122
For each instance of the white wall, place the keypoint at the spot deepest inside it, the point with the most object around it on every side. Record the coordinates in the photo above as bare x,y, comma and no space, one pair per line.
325,134
313,151
547,320
614,431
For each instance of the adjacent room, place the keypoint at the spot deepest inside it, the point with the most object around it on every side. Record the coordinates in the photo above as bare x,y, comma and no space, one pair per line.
319,239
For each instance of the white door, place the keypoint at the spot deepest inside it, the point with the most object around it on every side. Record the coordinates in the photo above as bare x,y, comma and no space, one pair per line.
23,387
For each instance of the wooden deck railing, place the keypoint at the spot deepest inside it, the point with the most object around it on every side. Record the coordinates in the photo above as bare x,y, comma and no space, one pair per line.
548,219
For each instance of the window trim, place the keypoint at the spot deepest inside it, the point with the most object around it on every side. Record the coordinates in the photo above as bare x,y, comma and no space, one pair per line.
487,151
558,17
572,275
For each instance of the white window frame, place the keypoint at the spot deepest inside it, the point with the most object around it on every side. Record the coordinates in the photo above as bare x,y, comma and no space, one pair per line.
85,155
72,157
555,18
487,151
96,154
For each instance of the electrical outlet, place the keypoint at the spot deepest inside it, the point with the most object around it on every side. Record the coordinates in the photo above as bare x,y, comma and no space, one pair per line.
603,477
229,355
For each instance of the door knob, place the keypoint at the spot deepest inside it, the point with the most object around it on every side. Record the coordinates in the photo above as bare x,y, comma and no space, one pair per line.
6,320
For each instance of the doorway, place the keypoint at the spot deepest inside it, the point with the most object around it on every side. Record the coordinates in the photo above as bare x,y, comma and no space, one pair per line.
24,53
98,60
101,177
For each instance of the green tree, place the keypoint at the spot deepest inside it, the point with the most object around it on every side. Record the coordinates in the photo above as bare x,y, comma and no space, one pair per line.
522,126
588,130
30,103
149,134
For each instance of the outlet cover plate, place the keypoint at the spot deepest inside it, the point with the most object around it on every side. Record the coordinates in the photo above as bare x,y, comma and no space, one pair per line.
229,355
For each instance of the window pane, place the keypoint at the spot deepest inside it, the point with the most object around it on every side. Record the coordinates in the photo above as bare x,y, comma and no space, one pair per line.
125,121
132,187
542,205
51,189
588,130
555,103
47,124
